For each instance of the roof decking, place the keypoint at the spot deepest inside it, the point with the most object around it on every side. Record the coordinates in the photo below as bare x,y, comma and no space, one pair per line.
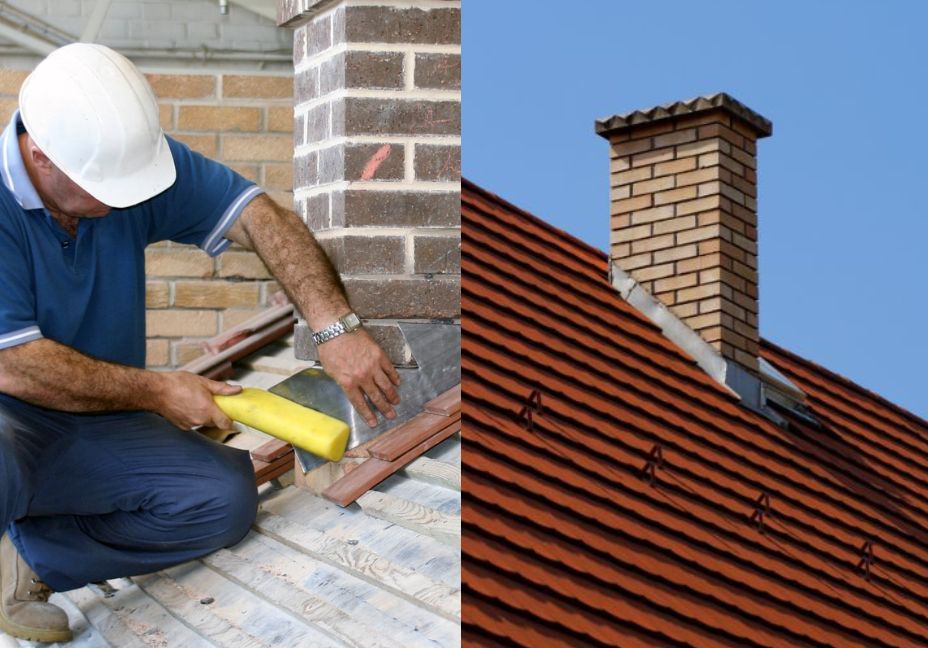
640,504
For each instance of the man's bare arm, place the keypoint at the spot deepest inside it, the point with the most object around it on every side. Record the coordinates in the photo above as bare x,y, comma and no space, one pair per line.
301,266
46,373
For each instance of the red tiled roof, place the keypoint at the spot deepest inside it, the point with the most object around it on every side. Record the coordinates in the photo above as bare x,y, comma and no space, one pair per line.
567,541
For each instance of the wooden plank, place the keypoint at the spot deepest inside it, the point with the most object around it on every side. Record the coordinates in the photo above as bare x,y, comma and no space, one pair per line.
403,438
184,603
272,586
85,635
402,621
271,450
245,609
373,471
147,622
435,472
247,328
360,561
411,515
425,556
265,470
446,404
111,627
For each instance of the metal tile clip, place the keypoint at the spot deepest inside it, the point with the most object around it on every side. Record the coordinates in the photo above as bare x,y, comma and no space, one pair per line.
761,510
866,559
532,406
655,461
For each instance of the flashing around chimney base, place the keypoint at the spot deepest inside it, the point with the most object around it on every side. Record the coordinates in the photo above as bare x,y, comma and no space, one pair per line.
751,390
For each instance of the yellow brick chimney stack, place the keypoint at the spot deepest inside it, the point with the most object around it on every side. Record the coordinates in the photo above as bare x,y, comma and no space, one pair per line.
683,180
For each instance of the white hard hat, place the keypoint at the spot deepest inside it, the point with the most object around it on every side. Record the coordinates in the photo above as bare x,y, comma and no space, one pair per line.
94,115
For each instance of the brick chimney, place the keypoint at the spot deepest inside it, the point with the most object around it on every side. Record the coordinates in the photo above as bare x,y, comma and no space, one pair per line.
377,155
684,214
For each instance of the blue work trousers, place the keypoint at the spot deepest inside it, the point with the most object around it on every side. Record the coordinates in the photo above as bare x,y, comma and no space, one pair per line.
91,497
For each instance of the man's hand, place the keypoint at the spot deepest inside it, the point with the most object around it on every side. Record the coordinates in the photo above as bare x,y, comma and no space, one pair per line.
361,368
186,400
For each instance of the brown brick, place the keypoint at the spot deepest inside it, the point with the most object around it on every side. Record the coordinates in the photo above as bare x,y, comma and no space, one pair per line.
157,353
280,119
249,171
257,147
743,158
636,261
157,294
181,323
205,144
620,193
709,188
652,157
437,254
185,351
698,234
674,224
245,265
654,272
374,161
365,70
697,177
367,254
674,166
12,80
632,204
718,130
398,208
421,298
364,116
166,116
699,147
251,86
684,310
215,294
674,195
219,118
617,165
235,316
698,293
438,163
631,148
318,35
676,137
653,243
651,215
174,262
278,176
698,263
307,84
398,25
628,234
182,86
731,164
675,254
442,71
698,205
632,175
652,186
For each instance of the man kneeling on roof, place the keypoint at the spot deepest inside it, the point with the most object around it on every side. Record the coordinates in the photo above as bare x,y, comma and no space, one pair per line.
101,477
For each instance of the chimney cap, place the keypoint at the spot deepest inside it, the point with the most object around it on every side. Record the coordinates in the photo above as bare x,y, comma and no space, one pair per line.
609,126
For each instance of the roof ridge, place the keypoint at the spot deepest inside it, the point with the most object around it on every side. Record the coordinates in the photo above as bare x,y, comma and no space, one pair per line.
902,411
561,233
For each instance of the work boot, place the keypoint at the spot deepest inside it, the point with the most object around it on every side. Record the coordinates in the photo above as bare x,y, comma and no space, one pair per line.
24,608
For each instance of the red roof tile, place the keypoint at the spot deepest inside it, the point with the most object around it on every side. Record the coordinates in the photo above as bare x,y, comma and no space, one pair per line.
567,541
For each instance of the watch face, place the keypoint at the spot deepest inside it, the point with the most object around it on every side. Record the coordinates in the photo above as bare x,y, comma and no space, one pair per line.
352,321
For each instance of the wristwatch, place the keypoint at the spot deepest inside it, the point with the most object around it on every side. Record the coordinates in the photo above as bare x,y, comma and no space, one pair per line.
345,324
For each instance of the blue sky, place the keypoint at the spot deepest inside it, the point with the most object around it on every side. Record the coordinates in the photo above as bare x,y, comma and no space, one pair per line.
843,180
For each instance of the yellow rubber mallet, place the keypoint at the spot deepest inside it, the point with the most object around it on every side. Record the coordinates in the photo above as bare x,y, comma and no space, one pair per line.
299,426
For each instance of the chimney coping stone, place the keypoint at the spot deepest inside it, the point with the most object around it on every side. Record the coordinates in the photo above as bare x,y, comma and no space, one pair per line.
610,126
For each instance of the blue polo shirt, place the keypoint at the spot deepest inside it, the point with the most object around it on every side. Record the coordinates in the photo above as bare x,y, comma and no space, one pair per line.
88,292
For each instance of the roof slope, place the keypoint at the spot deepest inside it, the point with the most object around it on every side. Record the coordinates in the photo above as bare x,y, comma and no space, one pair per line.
640,505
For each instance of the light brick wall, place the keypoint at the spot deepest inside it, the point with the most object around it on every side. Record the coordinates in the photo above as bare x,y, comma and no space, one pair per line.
245,121
684,222
377,154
